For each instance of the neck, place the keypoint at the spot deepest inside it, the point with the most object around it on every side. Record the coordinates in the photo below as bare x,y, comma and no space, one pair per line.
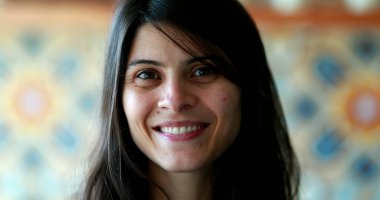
194,185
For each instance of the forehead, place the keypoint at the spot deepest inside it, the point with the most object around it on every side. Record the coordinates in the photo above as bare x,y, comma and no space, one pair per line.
186,40
146,35
150,42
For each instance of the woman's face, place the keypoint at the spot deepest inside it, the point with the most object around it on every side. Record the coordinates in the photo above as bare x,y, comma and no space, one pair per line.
181,113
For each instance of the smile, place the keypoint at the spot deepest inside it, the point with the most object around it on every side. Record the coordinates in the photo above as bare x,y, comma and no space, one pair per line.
179,130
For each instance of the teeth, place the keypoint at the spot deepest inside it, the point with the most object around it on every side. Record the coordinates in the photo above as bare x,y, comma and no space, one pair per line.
179,130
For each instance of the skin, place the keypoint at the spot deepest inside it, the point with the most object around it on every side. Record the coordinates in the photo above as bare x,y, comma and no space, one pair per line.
165,87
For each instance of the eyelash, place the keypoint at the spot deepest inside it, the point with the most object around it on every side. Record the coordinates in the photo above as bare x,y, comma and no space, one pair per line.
207,69
146,74
204,70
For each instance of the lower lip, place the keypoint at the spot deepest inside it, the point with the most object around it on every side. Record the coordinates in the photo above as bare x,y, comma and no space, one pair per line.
182,137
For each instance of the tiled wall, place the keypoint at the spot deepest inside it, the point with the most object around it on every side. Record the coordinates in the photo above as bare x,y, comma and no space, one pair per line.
329,83
325,56
50,68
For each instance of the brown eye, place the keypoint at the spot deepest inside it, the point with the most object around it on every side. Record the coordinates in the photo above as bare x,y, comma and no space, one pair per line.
204,71
204,74
147,74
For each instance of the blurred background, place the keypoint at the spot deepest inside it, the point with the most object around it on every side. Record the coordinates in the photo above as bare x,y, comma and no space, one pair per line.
324,54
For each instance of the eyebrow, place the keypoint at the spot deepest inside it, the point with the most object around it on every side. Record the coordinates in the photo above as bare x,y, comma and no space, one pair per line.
201,59
186,62
144,61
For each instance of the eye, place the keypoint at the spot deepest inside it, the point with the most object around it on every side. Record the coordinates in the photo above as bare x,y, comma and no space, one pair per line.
204,71
204,74
147,74
144,78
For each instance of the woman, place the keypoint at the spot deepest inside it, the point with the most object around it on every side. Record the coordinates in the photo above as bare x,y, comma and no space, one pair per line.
189,107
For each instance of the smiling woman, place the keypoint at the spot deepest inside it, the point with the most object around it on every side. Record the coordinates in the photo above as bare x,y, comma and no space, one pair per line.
178,107
187,105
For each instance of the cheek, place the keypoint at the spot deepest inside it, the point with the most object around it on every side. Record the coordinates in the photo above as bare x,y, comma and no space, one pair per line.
137,109
228,113
221,103
224,100
135,106
228,103
227,99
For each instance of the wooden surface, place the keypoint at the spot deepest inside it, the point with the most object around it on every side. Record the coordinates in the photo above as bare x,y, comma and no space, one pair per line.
56,13
335,15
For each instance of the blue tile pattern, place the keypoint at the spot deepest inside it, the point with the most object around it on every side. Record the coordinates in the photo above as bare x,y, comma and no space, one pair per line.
49,88
331,99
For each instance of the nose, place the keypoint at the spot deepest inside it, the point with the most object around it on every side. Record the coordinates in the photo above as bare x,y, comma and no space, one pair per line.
176,96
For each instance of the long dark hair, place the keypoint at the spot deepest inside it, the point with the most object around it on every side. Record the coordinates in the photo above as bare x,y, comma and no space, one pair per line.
261,154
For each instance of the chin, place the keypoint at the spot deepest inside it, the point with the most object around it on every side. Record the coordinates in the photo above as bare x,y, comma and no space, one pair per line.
183,166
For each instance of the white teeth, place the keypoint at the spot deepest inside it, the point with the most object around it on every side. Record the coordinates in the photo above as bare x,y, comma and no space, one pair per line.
179,130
